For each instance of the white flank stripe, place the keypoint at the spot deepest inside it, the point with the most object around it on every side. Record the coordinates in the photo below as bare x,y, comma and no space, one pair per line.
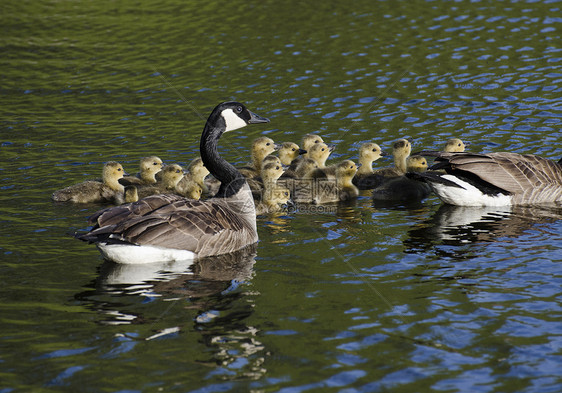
130,254
468,195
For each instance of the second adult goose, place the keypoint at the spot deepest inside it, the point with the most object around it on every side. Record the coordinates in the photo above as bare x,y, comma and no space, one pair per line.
170,227
494,179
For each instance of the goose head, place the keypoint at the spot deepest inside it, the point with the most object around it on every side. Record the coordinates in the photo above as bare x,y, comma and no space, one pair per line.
171,175
198,170
271,172
305,168
149,167
345,171
271,159
289,151
310,140
194,192
454,145
401,150
112,172
131,194
262,147
416,164
225,117
369,152
320,152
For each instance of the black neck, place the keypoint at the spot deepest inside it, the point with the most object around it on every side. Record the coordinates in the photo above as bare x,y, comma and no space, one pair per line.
231,180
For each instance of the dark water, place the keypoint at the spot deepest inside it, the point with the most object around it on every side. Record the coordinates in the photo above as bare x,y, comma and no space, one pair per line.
364,298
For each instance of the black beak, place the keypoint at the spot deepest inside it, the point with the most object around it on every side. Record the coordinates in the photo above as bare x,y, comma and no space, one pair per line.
302,151
383,153
257,119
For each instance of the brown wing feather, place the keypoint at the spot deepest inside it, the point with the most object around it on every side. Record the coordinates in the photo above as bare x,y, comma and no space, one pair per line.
172,221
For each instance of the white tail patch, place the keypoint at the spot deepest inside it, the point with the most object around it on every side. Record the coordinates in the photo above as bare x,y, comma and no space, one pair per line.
131,254
468,195
232,120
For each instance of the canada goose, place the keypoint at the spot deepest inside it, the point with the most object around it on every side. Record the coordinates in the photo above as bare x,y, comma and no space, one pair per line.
169,227
131,194
261,147
400,151
368,153
108,190
273,201
402,188
494,179
267,181
170,177
148,168
342,189
289,151
302,180
308,141
193,180
454,145
416,164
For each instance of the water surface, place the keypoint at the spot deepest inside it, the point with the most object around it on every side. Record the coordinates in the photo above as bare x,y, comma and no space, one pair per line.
362,298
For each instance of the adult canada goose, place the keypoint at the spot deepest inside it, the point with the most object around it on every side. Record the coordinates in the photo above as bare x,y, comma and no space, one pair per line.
402,188
170,177
289,151
494,179
149,167
108,190
261,147
400,150
170,227
193,180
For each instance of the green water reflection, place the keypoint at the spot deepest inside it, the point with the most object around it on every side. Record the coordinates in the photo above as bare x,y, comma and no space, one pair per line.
367,298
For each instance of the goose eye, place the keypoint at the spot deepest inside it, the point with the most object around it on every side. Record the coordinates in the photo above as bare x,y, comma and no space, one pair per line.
277,167
239,109
294,149
267,144
323,149
459,144
119,169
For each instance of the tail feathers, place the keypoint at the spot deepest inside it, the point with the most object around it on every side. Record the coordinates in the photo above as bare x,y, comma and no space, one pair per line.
432,177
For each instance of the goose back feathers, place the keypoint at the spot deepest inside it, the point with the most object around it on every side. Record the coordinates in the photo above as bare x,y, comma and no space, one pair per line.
494,179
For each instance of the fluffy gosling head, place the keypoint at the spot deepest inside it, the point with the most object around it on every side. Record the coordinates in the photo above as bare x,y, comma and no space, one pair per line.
454,145
416,164
288,152
310,140
111,173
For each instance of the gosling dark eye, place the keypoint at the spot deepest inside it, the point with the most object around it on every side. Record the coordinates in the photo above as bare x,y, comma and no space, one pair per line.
294,149
119,169
459,144
155,163
267,144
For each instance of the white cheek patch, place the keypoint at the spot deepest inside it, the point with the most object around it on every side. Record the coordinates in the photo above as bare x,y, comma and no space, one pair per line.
232,120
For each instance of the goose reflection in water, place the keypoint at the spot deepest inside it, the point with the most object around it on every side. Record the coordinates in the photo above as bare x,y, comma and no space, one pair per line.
199,279
454,225
216,308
